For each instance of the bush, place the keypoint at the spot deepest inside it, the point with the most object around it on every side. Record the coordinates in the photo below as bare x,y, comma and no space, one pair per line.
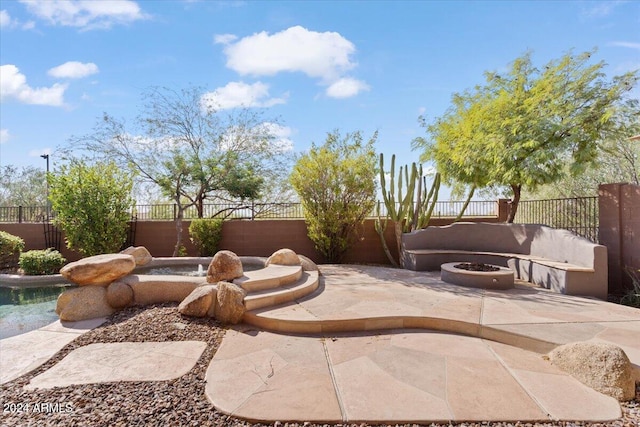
35,263
632,297
10,248
206,234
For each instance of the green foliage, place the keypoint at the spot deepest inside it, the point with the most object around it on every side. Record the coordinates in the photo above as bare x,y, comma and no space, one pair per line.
411,211
336,186
206,234
39,262
26,186
190,152
527,127
10,248
618,160
92,205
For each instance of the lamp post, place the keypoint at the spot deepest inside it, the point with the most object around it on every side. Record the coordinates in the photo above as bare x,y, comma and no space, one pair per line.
46,157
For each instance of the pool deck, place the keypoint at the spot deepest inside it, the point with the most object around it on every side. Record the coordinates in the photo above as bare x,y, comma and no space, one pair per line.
375,344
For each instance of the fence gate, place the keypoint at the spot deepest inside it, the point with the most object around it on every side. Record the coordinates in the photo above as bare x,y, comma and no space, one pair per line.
52,236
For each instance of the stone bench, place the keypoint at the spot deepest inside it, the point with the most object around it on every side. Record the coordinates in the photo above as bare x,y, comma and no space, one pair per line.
552,258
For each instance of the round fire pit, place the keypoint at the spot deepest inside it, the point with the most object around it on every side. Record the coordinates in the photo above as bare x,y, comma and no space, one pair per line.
474,276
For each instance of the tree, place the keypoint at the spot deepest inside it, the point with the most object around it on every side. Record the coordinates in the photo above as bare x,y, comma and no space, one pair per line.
25,186
618,160
92,205
190,151
337,189
527,127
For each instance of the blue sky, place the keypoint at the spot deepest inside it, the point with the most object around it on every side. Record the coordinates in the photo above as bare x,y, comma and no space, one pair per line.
318,66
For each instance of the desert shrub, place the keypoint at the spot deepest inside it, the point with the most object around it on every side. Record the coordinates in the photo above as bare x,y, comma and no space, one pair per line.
10,248
206,234
632,297
40,262
336,183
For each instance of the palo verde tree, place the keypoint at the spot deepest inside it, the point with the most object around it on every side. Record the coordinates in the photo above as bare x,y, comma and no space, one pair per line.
190,151
337,189
92,205
527,127
618,160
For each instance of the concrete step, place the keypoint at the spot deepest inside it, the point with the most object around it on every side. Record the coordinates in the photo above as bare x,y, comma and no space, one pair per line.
270,277
306,284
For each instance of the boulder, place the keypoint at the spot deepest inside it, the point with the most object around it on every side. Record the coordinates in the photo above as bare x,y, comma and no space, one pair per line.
140,254
283,257
601,366
155,289
225,265
307,264
199,303
119,294
99,269
229,303
87,302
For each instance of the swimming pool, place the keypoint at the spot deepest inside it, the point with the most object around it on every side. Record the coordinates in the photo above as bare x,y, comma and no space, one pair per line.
26,308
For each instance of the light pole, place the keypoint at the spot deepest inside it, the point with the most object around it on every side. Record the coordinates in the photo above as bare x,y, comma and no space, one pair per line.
46,157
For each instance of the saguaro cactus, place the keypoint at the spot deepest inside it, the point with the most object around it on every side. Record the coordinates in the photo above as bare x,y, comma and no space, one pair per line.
411,211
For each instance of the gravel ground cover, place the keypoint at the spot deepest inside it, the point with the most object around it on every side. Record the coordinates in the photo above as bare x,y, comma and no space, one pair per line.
179,402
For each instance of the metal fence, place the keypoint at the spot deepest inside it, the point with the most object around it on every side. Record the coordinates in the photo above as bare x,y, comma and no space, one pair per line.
577,214
253,211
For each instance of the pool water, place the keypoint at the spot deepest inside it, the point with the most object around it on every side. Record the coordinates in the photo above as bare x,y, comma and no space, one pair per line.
25,309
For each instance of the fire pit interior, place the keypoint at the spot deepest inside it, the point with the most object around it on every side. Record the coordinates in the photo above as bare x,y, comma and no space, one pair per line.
477,275
477,266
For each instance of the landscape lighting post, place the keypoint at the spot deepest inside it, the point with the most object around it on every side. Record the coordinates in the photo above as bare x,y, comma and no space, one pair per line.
46,157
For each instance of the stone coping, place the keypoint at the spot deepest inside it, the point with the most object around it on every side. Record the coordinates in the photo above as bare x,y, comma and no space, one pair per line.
22,281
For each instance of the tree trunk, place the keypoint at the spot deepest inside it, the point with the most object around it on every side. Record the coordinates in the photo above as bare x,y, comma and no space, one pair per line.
517,189
176,249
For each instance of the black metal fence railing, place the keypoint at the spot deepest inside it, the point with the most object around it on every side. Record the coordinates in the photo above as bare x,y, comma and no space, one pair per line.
23,213
254,211
577,214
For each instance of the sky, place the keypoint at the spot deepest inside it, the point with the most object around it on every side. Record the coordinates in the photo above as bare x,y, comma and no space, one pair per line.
315,65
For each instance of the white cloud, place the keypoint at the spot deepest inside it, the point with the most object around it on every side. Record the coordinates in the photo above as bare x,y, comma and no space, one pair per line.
5,19
73,70
601,9
86,14
7,22
281,142
224,38
240,94
346,87
13,84
4,136
630,45
321,55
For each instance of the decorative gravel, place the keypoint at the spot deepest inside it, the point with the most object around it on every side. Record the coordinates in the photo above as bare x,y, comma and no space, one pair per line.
179,402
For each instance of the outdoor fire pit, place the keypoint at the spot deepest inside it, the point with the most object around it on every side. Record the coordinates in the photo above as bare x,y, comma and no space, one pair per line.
477,275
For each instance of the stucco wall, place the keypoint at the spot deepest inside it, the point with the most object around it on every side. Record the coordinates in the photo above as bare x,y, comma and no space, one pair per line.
619,231
244,237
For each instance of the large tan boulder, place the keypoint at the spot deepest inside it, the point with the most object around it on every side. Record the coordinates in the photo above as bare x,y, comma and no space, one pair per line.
154,289
603,367
99,269
307,264
200,302
119,294
283,257
225,266
140,254
229,303
87,302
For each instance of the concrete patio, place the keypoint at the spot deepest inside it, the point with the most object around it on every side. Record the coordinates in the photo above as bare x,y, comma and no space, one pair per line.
374,344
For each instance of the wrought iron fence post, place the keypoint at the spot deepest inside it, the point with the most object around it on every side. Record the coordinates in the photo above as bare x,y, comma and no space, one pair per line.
20,214
175,211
